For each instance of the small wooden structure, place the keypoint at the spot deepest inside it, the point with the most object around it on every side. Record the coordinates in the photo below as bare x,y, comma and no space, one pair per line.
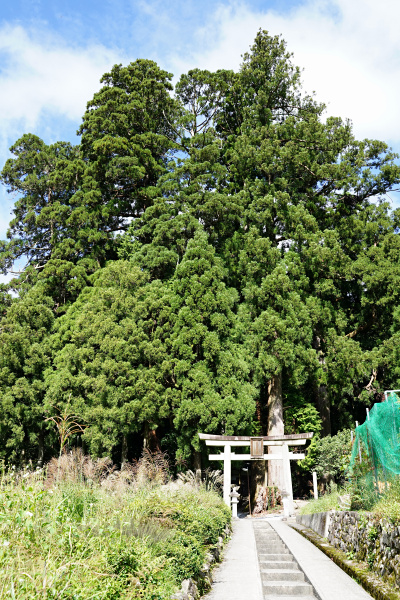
257,452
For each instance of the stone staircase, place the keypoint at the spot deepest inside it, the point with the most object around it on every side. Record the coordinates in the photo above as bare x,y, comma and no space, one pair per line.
281,576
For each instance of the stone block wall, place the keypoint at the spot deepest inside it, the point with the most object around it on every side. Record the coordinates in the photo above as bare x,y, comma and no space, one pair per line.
364,537
318,522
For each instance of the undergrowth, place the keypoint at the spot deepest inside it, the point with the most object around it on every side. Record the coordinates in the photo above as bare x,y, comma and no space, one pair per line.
386,505
329,501
76,540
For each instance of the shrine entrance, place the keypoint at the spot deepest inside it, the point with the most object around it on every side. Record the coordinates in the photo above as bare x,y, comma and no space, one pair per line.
257,452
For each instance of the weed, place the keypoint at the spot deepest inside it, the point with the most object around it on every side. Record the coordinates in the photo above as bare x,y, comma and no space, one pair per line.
209,480
329,501
372,534
371,559
74,538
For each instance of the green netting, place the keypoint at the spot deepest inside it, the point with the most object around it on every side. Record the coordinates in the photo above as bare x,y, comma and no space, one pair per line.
375,459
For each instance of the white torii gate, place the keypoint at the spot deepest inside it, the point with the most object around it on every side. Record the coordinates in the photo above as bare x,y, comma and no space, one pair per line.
257,453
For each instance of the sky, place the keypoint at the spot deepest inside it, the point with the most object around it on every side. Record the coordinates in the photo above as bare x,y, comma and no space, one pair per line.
54,52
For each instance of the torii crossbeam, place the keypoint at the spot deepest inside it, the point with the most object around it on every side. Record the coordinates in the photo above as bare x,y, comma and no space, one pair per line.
257,453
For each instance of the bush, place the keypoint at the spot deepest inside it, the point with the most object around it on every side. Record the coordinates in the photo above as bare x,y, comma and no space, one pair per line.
77,540
331,456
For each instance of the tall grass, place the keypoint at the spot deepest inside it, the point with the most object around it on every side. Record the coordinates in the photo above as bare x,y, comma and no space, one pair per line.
385,505
117,536
333,499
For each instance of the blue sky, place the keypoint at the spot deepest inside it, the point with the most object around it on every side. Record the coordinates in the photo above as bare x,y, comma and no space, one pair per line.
53,53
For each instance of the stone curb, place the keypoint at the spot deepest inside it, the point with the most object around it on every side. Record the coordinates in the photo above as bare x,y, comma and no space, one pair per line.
189,587
356,569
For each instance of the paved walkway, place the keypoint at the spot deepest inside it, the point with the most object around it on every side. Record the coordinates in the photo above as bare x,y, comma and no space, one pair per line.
238,576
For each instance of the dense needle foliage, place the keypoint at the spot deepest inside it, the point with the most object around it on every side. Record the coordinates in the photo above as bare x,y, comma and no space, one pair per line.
219,257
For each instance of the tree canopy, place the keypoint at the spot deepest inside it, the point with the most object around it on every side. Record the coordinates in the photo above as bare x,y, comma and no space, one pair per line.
216,257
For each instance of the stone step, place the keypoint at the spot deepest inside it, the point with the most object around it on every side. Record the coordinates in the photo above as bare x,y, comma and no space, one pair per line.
266,549
262,542
274,556
279,564
274,551
266,540
279,597
280,574
288,588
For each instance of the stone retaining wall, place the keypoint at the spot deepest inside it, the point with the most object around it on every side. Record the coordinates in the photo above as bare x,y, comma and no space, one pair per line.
366,538
189,588
376,541
318,522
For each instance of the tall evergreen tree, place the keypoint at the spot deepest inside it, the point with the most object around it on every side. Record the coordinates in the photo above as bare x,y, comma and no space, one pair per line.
213,391
205,260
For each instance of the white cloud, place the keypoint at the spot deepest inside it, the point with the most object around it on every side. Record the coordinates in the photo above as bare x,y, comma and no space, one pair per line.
45,84
350,52
40,74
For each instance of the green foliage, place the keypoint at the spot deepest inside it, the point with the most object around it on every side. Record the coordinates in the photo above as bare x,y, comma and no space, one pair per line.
191,248
76,541
384,506
331,456
388,504
324,503
372,533
302,416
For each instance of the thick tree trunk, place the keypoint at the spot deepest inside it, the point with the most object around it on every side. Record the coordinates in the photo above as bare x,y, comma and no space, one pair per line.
324,409
275,427
258,478
124,450
321,393
151,441
258,472
196,460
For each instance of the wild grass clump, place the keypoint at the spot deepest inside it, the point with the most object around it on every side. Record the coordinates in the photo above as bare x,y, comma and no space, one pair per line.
75,467
208,480
383,505
388,505
77,539
331,500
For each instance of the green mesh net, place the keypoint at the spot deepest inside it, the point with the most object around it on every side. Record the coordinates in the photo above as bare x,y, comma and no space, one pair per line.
375,459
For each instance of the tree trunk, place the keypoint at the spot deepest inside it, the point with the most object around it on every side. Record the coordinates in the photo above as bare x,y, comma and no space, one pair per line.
258,478
196,460
151,441
321,392
258,471
324,409
275,427
124,451
40,458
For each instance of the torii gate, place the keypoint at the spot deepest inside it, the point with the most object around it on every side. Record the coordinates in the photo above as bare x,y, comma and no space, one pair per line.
257,453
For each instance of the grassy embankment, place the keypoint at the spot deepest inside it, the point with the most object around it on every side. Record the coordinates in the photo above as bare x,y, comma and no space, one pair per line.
78,540
386,506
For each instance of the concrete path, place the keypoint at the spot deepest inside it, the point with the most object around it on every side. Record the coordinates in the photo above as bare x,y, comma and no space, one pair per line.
238,576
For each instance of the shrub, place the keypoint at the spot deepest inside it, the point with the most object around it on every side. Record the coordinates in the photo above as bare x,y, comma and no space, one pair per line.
77,540
331,456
